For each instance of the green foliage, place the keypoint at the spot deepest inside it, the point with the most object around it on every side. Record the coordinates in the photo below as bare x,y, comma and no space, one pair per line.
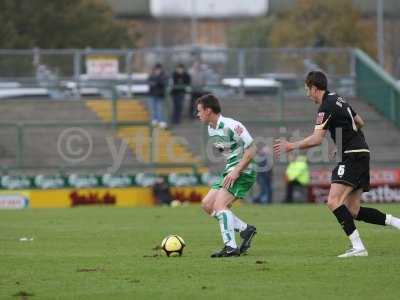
329,23
60,24
251,34
113,253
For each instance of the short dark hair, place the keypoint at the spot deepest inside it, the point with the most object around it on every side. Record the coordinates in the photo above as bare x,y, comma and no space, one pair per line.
209,101
317,79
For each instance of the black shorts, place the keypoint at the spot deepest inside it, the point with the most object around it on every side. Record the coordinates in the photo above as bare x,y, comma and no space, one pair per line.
353,171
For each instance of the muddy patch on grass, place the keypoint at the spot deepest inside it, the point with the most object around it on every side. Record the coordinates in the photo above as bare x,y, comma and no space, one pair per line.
260,262
90,270
153,255
23,295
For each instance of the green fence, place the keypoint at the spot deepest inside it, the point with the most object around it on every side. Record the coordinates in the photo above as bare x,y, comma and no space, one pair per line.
376,87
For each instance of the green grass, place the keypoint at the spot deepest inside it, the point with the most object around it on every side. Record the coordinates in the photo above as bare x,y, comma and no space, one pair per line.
107,253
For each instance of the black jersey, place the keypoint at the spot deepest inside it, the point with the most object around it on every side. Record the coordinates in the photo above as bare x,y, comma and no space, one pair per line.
337,116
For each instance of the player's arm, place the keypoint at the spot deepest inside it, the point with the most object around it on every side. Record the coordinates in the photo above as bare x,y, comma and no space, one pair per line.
324,117
357,118
359,121
311,141
250,149
248,155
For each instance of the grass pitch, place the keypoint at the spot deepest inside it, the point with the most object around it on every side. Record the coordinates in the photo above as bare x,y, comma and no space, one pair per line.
110,253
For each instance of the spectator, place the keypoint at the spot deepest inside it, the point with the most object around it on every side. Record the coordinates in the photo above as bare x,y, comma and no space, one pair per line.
297,175
198,75
181,82
161,192
158,83
264,175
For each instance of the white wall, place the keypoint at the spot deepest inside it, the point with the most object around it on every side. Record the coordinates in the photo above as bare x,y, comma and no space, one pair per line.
208,8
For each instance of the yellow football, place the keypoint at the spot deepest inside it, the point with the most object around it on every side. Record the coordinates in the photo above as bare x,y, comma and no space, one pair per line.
173,245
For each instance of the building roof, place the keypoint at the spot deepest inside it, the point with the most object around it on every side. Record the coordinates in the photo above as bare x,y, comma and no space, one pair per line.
141,8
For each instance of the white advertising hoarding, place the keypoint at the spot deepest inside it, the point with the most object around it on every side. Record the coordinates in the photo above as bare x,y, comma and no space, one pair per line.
102,66
11,200
208,8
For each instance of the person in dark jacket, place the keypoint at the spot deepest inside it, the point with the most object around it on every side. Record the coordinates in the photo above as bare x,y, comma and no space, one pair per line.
158,84
181,82
161,192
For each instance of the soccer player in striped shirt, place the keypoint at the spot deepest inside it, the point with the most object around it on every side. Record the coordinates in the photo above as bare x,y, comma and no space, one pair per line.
233,140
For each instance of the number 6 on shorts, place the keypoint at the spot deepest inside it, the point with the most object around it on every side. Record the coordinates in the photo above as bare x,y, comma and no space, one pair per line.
340,170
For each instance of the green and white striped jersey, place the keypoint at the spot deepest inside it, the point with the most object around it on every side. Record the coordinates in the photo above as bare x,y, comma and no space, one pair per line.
231,138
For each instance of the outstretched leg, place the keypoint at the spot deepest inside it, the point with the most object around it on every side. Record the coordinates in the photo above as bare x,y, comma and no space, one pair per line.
369,214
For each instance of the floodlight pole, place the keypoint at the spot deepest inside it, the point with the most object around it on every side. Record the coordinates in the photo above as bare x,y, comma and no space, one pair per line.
380,32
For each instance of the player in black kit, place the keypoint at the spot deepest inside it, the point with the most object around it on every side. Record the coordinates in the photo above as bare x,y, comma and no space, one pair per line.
350,178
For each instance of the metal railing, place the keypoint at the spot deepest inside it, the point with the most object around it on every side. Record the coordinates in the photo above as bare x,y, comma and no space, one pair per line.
40,145
72,64
377,87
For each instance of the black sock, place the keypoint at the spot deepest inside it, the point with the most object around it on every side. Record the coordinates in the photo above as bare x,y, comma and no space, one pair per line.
371,215
345,219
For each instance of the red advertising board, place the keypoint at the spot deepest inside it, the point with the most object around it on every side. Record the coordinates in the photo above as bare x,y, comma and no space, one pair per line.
385,186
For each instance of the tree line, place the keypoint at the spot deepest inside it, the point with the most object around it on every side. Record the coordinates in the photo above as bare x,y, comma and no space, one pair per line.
61,24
